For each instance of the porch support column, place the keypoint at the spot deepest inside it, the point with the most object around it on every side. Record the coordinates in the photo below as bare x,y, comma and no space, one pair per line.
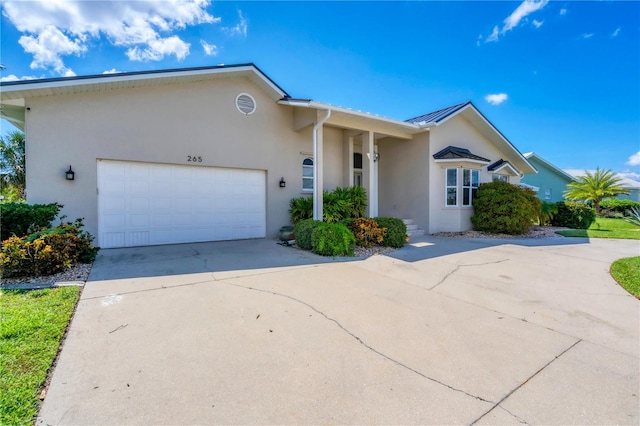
318,166
369,173
347,162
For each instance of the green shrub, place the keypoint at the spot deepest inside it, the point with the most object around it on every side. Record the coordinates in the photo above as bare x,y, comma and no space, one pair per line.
367,232
501,207
302,232
574,215
339,204
547,211
21,219
301,208
396,235
613,206
332,239
47,252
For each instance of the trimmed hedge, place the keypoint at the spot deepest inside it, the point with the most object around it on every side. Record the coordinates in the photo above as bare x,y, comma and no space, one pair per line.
396,235
574,215
617,206
332,239
21,219
302,231
503,208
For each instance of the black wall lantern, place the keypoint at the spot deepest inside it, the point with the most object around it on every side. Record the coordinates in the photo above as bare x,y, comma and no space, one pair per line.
70,174
282,183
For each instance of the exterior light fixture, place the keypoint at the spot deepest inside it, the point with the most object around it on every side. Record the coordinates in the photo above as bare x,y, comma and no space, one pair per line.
70,174
282,183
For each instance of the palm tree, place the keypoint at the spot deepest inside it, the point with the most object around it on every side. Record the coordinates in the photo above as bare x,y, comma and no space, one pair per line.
12,161
595,187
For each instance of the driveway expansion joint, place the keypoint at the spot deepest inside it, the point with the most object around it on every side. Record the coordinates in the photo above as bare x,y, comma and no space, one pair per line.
359,340
504,398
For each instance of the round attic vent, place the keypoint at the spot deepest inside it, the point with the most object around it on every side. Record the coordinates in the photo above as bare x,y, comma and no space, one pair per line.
245,103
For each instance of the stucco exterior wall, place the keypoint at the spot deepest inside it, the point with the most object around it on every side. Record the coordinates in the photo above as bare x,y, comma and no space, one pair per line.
165,124
403,178
547,179
460,133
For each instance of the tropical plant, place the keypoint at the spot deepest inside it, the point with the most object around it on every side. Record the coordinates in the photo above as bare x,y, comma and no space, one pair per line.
301,208
633,216
547,211
12,162
595,187
367,232
339,204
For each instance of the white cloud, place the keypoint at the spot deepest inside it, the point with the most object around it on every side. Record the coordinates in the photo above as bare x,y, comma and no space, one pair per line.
563,11
111,71
630,175
586,36
13,77
525,8
634,160
537,23
496,98
54,29
209,49
616,32
240,28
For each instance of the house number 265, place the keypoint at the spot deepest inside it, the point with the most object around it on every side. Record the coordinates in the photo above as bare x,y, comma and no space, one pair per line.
194,159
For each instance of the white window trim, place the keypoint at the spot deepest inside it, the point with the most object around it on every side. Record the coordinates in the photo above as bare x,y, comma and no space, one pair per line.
447,186
470,186
304,178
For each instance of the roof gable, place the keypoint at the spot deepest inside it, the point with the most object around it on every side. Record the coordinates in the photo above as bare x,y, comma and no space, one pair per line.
502,165
536,158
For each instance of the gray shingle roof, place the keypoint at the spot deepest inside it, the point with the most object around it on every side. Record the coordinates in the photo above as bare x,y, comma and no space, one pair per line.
454,152
439,115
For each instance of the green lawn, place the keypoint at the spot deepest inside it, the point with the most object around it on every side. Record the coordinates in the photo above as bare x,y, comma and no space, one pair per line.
605,227
31,326
627,273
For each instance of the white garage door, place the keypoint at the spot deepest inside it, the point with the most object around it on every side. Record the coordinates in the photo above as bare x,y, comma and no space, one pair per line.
143,204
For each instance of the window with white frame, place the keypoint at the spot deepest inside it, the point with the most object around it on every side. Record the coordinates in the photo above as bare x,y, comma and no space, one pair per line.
452,188
307,175
547,194
467,188
503,178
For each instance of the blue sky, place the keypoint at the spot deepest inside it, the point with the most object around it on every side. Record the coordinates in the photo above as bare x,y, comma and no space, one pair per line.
560,78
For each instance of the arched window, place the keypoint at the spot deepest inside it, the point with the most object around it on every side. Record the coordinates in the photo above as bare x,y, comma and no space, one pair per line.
307,175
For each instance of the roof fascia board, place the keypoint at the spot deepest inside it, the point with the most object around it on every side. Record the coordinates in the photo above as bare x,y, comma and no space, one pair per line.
551,166
322,106
461,160
26,85
506,164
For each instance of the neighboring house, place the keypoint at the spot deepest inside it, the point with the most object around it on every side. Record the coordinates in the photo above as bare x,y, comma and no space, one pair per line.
216,153
550,182
629,184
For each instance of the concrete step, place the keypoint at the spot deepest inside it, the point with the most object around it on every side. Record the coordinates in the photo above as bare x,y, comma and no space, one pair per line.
412,227
415,232
408,221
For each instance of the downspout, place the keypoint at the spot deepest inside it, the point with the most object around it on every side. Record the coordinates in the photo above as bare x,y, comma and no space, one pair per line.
317,195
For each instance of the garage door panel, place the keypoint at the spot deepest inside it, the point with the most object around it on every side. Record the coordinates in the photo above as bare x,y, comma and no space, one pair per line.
145,203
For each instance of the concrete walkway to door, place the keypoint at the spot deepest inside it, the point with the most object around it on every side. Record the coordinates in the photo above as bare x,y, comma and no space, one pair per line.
443,331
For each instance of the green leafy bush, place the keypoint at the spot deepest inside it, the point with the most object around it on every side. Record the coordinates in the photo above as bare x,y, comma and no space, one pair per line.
613,206
332,239
47,252
367,232
547,211
21,219
574,215
396,235
501,207
302,232
301,208
339,204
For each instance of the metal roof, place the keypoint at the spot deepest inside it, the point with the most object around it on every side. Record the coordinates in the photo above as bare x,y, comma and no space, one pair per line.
437,116
454,153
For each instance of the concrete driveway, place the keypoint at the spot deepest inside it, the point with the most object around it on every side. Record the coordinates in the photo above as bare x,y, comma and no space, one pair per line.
443,331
